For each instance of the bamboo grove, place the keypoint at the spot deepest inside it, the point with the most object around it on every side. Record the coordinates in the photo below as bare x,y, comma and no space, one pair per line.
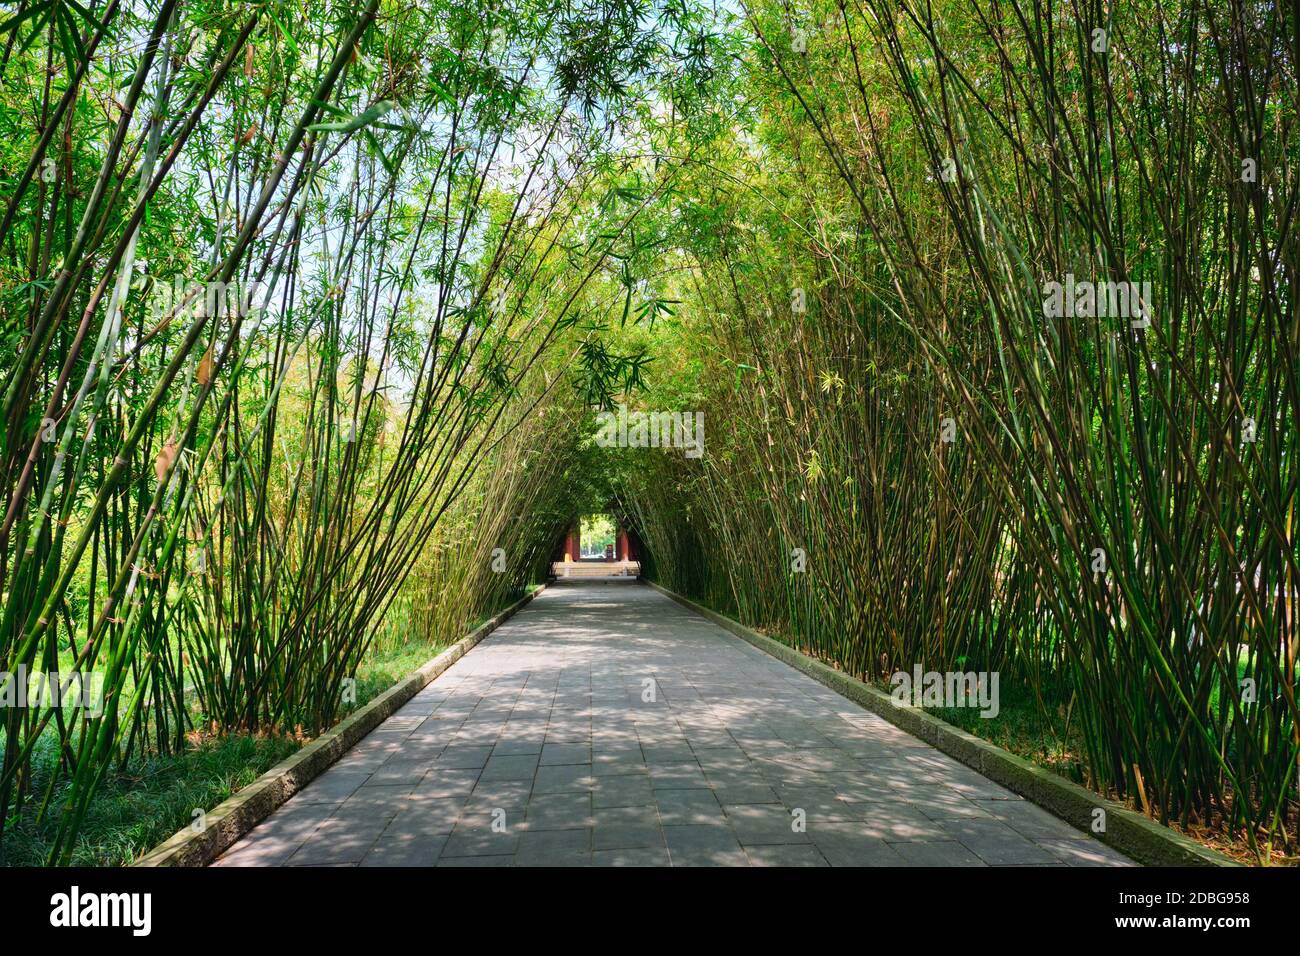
307,307
282,283
915,460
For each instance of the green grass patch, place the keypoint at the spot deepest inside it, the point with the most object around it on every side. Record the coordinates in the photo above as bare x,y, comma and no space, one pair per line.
139,807
1030,728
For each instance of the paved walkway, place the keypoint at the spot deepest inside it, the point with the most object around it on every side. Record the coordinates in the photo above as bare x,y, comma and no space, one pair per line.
539,747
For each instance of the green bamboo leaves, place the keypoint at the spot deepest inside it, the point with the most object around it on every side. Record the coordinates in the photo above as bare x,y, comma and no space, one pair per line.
215,502
1099,504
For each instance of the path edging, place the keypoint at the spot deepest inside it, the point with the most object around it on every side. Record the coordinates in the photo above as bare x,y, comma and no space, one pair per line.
1130,832
234,817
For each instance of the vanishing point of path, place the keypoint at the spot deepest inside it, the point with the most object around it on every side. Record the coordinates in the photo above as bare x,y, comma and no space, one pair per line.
542,746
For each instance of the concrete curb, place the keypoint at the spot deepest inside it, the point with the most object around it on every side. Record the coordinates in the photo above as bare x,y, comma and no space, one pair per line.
1130,832
234,817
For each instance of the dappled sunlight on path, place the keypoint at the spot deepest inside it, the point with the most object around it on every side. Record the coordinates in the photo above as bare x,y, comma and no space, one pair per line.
606,724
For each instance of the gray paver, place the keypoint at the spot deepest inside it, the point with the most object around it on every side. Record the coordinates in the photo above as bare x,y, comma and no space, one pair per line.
624,828
559,811
627,790
686,807
940,853
554,848
704,845
510,767
638,856
543,730
792,854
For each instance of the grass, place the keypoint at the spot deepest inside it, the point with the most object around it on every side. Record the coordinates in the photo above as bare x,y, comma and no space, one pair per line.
153,798
1036,731
139,807
1024,728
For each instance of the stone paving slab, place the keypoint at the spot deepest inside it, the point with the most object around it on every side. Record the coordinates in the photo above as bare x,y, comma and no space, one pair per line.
606,725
